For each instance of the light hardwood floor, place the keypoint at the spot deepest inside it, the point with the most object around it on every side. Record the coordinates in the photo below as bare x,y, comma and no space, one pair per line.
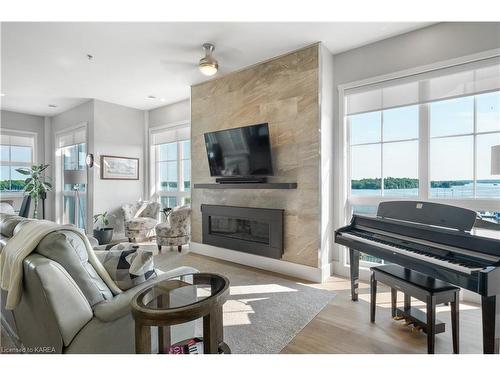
343,327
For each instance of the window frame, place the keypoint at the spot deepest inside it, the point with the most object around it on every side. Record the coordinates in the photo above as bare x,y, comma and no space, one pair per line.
343,200
154,164
72,193
34,158
424,159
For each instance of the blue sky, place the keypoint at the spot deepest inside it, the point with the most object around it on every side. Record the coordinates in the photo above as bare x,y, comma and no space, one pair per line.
451,157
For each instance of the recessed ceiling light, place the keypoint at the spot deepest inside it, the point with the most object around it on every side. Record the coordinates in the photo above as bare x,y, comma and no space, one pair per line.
2,94
152,97
162,99
52,106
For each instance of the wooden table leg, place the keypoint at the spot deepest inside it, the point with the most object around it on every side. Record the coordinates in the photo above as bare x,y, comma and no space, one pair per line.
163,339
142,338
354,267
212,331
164,343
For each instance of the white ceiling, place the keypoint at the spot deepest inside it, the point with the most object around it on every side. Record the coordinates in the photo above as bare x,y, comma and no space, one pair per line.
46,63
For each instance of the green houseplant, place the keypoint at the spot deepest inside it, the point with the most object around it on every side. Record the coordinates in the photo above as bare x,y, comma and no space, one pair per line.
35,184
102,233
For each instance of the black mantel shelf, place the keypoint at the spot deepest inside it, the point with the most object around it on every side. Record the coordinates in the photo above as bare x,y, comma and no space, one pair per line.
267,185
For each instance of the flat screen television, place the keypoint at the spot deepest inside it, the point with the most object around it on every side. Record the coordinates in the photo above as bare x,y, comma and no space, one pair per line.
240,152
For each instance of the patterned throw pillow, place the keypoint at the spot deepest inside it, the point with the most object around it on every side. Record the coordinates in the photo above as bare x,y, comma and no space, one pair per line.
129,266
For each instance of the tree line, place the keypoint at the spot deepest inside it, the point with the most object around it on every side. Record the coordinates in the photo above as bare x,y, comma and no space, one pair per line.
12,185
401,183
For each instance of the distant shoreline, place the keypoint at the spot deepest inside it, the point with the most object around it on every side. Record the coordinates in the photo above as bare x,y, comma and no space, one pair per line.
410,183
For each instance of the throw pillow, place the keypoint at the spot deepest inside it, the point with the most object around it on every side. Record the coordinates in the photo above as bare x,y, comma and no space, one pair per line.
128,265
142,207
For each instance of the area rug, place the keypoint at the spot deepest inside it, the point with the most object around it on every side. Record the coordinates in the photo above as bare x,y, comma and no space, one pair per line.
264,311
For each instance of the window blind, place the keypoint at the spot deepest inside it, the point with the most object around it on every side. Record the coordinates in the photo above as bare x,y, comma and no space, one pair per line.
74,137
440,84
9,139
168,135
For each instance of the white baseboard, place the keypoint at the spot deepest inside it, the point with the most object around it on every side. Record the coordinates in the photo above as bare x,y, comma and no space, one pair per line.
269,264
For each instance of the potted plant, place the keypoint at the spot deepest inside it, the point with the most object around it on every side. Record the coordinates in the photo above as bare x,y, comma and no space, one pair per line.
102,233
36,185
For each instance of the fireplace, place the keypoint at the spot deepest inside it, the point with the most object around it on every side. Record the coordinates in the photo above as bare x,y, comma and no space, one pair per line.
256,231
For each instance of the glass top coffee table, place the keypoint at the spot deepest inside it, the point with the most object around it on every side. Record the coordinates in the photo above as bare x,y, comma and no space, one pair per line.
180,300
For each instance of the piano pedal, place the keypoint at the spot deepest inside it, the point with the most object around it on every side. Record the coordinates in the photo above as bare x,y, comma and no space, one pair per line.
417,329
398,317
408,322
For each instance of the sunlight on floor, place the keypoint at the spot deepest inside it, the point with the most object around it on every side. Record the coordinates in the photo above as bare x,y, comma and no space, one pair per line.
237,312
257,289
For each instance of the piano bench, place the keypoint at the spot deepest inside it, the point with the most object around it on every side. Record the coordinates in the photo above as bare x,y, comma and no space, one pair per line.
422,287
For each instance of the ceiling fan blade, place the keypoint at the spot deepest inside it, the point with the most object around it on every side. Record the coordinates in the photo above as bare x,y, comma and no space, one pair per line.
178,65
176,61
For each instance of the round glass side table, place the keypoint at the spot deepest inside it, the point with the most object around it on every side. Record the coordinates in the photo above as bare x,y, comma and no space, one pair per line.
180,300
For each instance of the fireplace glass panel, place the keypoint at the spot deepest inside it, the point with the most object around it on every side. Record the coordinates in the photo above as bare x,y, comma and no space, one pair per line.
242,229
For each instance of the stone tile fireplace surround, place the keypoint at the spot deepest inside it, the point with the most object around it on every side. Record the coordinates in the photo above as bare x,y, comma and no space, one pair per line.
284,92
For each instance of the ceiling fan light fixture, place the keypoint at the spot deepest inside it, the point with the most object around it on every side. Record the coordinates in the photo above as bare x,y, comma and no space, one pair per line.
208,65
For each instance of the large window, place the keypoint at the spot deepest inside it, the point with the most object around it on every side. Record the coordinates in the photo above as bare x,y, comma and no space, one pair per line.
17,150
384,152
426,138
462,131
171,165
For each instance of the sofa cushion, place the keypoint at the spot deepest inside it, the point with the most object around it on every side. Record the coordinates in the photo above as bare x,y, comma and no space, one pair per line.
141,223
68,249
129,266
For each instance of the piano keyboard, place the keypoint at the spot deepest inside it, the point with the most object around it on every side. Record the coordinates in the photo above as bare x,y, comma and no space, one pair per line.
414,254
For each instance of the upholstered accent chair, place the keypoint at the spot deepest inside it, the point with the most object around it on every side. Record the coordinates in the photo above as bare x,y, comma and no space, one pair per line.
176,231
140,220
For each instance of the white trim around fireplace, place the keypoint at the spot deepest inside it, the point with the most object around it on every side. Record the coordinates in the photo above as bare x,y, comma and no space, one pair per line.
274,265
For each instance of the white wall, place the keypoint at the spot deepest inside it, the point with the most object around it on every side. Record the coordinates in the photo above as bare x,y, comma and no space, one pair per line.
111,130
118,131
430,45
171,113
30,123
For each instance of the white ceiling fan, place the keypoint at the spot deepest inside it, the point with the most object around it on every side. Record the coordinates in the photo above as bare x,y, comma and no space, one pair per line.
208,64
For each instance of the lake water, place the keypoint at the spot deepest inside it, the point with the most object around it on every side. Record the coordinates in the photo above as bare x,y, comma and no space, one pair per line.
483,190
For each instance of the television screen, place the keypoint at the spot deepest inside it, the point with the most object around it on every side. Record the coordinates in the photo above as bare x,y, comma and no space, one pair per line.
242,151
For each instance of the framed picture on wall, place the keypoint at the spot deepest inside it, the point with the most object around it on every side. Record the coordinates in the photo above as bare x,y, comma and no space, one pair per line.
119,168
